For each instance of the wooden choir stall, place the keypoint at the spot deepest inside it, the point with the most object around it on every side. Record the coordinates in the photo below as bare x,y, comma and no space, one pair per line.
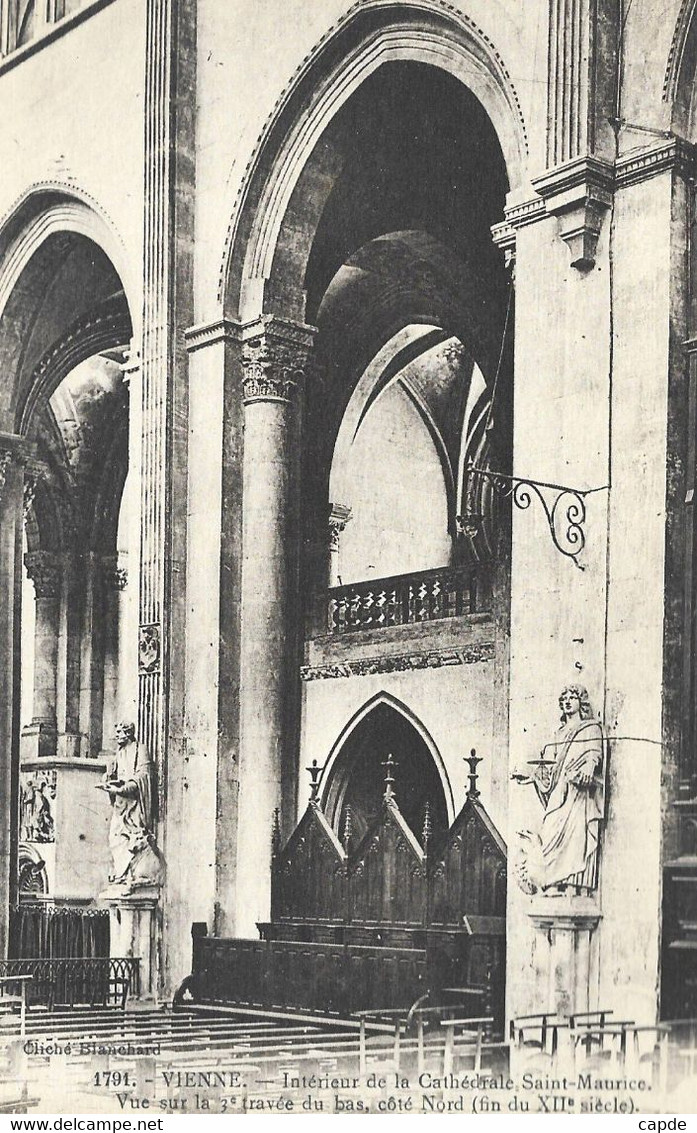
374,921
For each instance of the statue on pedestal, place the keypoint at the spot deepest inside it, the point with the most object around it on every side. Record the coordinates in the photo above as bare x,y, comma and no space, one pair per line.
130,782
563,856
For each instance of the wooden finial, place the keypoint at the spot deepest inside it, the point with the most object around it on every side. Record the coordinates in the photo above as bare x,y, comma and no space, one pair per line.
426,832
348,828
389,764
472,759
315,772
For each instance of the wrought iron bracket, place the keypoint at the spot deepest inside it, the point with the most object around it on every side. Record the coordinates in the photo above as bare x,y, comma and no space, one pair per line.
564,507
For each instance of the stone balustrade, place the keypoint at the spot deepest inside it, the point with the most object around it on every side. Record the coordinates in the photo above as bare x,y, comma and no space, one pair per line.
407,599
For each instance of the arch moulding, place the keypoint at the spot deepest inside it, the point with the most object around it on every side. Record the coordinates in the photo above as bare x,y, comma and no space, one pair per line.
390,702
372,33
681,73
49,209
93,333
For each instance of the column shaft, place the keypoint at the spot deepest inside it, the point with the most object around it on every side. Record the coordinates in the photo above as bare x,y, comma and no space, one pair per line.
114,580
274,358
43,569
46,659
39,737
11,530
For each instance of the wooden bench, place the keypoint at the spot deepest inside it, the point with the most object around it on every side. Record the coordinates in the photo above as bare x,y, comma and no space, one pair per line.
13,1001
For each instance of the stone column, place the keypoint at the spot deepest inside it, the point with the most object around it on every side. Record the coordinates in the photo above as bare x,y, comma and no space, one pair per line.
39,737
578,361
92,657
206,887
339,515
12,449
70,657
114,581
274,356
128,665
169,110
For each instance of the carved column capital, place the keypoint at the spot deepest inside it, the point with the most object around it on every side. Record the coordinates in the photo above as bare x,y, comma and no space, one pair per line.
14,450
114,576
504,237
339,516
5,462
275,354
34,472
131,364
44,570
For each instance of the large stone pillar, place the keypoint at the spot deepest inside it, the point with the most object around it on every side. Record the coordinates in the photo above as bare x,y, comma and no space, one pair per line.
11,530
593,410
207,885
39,737
162,385
274,356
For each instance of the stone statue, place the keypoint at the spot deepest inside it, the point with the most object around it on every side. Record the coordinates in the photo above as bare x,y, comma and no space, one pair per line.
130,782
36,819
571,787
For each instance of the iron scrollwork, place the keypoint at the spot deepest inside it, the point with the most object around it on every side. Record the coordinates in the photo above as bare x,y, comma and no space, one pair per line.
564,507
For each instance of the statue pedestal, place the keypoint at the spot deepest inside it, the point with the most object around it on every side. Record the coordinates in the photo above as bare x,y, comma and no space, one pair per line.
133,929
565,952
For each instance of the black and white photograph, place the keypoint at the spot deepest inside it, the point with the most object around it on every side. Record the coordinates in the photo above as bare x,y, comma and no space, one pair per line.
348,559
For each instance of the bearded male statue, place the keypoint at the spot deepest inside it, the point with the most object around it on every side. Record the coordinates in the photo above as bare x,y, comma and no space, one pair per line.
130,783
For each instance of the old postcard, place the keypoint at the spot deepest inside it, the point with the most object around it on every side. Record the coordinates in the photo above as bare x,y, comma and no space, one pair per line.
348,583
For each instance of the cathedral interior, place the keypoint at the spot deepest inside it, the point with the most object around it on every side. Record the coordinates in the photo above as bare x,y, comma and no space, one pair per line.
348,445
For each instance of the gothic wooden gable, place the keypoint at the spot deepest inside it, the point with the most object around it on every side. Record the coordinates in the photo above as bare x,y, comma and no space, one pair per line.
468,871
309,874
387,875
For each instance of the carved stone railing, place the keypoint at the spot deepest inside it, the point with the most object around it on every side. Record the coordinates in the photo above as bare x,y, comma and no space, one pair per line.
405,599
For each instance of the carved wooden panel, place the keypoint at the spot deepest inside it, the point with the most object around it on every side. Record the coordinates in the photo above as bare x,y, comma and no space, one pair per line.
468,873
679,959
387,878
230,974
309,875
373,929
308,976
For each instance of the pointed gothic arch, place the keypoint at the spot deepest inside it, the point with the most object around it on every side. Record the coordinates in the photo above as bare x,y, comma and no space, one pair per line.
339,768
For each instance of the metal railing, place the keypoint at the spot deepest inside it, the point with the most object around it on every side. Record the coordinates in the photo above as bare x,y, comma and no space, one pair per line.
69,981
405,599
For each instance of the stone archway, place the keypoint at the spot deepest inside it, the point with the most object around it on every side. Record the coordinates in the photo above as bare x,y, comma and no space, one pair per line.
64,442
297,337
354,781
369,37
